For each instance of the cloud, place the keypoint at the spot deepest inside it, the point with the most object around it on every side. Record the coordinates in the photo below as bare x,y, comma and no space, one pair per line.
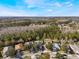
50,10
68,4
38,8
32,2
57,4
29,1
30,6
5,11
36,3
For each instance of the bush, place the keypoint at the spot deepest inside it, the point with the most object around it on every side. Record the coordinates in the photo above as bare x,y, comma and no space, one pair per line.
1,44
7,43
11,51
49,46
0,54
45,56
27,57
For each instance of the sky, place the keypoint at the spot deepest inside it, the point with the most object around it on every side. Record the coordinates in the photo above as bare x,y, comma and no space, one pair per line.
39,7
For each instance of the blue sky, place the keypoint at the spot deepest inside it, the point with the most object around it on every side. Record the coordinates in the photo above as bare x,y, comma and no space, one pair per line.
39,7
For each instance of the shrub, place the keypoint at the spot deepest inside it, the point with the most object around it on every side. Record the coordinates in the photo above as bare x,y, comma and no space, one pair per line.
49,46
27,57
45,56
11,51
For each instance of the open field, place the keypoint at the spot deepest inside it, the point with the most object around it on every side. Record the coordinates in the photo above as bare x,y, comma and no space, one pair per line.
39,37
20,28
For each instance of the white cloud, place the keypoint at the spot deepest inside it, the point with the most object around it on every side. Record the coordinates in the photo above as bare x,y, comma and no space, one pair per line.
33,1
57,4
13,12
68,4
31,6
50,10
28,1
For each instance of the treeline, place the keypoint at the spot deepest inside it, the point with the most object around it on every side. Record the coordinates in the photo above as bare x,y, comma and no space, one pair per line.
25,22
